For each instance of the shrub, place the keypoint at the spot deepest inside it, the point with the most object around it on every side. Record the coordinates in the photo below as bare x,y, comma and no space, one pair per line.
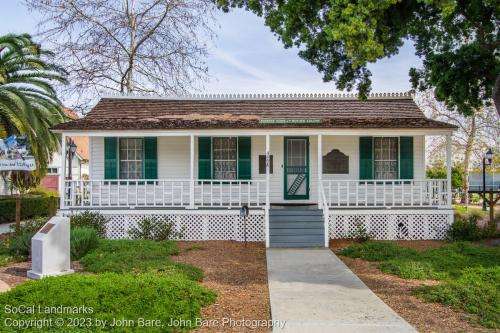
21,245
465,228
110,296
137,256
31,206
43,192
5,254
154,228
360,234
29,226
88,219
82,241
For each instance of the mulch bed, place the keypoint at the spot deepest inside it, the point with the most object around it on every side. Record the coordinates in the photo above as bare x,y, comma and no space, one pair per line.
398,294
239,276
237,273
15,273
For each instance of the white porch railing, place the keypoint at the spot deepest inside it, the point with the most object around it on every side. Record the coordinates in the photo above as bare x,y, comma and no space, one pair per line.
386,193
326,213
163,193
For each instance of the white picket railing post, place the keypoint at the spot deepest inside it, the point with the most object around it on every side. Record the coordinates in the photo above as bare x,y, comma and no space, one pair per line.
326,213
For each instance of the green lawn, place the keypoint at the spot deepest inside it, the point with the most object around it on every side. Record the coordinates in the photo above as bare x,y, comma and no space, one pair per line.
134,281
470,274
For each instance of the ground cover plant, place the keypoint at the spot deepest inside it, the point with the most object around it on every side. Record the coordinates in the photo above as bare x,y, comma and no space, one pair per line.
128,280
470,274
111,296
137,256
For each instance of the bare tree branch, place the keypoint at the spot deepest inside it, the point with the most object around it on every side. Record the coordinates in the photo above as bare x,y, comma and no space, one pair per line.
129,45
469,142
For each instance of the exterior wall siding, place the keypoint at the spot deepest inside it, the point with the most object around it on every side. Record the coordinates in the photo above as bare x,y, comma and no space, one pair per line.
173,160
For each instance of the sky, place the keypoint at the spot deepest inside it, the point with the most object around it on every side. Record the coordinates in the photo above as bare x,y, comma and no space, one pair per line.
247,58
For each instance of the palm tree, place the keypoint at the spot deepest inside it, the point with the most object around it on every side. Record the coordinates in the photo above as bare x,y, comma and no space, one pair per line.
28,102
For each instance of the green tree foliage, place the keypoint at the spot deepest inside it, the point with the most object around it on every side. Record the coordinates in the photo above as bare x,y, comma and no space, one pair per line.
457,39
438,171
28,102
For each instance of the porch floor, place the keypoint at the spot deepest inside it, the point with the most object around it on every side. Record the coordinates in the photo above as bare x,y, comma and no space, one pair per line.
313,291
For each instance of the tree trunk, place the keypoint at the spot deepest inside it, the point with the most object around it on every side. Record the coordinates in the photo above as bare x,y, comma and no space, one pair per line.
131,58
467,154
496,94
18,212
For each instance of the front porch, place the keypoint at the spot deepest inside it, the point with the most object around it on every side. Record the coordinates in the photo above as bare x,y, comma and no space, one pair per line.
384,169
279,169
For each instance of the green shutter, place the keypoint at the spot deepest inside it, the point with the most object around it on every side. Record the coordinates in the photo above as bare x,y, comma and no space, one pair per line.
204,157
366,157
150,158
244,157
110,158
406,157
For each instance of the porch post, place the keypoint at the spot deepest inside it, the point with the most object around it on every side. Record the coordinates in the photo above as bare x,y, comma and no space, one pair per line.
191,172
62,173
320,169
268,161
268,204
448,169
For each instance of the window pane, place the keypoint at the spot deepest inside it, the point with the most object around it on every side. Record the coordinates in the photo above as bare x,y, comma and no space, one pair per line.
386,158
225,158
131,155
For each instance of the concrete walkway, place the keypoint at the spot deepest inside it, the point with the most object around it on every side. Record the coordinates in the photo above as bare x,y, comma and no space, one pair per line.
4,228
314,292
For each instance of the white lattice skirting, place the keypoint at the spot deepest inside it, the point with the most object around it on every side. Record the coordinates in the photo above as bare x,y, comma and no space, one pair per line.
193,224
391,225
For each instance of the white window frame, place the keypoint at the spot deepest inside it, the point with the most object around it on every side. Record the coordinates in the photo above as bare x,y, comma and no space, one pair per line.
120,160
397,160
225,160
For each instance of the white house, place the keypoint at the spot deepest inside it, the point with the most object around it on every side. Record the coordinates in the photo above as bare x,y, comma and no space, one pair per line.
79,165
310,166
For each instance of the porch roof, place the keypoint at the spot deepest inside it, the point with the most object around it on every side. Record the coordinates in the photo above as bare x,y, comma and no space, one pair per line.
136,113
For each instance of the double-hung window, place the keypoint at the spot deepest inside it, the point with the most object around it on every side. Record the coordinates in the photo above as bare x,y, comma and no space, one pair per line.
385,157
131,158
225,158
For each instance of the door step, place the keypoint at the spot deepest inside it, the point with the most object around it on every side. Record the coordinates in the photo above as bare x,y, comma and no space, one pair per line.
296,227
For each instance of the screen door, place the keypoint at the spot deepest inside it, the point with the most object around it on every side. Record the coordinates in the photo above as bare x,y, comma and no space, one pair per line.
296,167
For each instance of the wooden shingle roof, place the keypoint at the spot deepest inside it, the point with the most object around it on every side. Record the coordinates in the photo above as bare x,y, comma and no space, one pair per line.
184,113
